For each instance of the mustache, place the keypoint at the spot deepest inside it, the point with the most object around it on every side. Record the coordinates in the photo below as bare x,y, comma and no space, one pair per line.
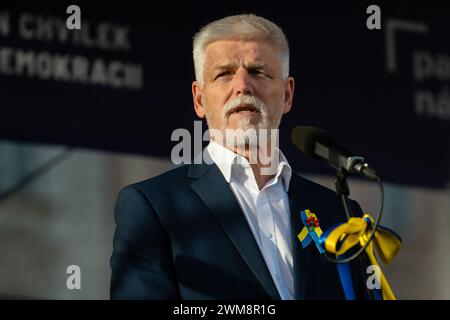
255,102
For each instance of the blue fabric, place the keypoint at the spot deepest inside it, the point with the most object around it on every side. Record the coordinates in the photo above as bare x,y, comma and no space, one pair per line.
346,280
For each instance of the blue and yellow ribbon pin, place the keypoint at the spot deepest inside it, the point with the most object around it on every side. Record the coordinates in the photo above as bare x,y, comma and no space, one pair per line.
311,230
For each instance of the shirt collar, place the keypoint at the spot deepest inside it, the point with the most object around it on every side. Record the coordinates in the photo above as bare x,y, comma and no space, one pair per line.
227,160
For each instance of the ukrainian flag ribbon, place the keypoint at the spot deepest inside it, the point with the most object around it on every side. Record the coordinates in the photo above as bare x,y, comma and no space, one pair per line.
356,231
311,230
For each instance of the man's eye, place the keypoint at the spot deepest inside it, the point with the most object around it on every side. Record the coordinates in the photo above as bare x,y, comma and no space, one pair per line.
260,73
255,71
222,74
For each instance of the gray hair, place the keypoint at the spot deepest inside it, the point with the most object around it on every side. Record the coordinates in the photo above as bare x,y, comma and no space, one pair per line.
239,27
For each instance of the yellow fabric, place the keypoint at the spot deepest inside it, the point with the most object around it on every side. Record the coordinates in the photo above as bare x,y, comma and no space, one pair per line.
358,230
303,234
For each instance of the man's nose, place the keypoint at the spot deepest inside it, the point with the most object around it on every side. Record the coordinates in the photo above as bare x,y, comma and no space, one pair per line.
243,83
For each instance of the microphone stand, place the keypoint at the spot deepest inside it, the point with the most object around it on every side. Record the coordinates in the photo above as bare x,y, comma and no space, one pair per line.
343,192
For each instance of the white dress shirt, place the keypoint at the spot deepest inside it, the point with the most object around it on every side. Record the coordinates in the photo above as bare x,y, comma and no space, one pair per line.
266,210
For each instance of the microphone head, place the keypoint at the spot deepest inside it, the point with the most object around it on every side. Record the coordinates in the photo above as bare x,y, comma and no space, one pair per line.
305,139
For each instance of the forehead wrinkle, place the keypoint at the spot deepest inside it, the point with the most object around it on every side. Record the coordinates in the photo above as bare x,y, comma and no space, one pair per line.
229,57
231,52
249,65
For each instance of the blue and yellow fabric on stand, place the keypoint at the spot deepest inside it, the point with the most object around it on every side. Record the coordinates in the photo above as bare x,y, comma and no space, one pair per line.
346,236
356,232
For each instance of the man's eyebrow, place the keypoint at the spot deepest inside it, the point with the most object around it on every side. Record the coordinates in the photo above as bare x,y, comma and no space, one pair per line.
225,66
257,66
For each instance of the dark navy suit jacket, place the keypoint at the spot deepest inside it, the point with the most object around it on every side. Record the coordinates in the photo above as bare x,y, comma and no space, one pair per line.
183,235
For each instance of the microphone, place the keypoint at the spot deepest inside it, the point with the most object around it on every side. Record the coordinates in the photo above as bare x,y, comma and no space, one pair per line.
319,144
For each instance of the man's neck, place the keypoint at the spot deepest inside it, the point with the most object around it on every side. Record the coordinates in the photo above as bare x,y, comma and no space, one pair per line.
261,161
261,179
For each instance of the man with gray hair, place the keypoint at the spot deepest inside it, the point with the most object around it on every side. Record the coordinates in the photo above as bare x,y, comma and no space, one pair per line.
228,229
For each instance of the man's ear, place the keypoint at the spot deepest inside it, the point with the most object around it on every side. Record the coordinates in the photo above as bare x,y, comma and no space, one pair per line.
197,96
288,94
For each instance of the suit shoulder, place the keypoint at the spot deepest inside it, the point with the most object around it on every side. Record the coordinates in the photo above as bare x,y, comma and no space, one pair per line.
161,181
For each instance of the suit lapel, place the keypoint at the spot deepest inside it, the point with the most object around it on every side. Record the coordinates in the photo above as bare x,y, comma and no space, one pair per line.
301,257
214,191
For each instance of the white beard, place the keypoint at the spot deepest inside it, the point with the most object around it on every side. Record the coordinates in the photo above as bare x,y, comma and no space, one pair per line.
248,132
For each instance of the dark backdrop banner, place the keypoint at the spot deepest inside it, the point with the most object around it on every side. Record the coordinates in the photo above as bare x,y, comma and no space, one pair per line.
123,82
